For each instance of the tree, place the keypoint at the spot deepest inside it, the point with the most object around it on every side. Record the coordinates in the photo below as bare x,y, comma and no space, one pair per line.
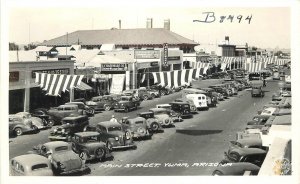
13,46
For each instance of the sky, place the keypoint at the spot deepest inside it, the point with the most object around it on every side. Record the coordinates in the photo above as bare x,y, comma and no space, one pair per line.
269,27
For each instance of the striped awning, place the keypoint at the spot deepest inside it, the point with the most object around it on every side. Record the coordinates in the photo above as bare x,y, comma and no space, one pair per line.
84,87
54,84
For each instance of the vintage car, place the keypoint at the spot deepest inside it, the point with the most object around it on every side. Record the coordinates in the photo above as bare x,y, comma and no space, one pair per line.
19,126
167,108
246,143
30,165
210,92
126,104
276,76
257,91
163,91
220,88
257,122
267,111
236,169
137,127
152,122
113,134
198,100
70,125
153,92
163,116
193,91
86,109
193,107
182,108
105,102
141,93
62,111
252,155
63,159
89,146
42,113
38,122
275,111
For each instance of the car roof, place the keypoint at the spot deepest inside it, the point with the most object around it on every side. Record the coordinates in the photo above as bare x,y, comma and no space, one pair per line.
87,134
250,141
193,90
157,109
68,105
148,112
31,159
248,151
237,168
54,144
180,103
137,119
108,123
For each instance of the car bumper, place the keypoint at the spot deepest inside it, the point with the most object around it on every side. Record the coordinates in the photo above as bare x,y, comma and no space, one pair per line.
83,169
115,147
57,138
186,116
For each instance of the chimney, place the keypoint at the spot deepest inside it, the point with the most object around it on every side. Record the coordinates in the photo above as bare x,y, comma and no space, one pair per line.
167,24
119,24
149,23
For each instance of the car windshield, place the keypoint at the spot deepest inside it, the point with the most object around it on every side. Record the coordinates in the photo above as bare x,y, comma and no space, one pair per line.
92,139
61,148
39,166
114,128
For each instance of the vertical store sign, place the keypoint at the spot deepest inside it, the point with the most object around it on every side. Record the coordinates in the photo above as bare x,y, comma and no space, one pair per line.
165,63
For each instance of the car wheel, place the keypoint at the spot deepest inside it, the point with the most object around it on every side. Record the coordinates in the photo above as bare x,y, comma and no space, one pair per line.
154,126
91,111
51,123
18,131
145,97
153,95
126,109
100,153
162,93
83,155
193,108
107,107
35,128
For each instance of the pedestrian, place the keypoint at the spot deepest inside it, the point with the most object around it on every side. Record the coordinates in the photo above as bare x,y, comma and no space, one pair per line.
264,83
113,119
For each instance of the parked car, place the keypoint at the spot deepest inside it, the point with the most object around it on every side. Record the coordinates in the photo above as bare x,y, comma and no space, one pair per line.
86,109
62,111
126,104
246,143
30,165
163,116
236,169
152,122
257,122
113,134
137,127
42,113
18,126
231,86
193,107
141,93
199,100
89,146
276,75
182,108
105,102
163,91
63,159
221,89
210,102
212,94
38,122
70,126
253,155
167,108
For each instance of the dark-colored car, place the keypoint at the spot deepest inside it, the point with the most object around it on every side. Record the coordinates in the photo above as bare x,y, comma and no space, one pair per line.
210,92
140,94
253,155
221,89
126,104
182,108
86,109
19,126
70,125
257,91
42,113
163,91
89,146
113,134
257,122
236,169
105,102
152,122
58,113
137,127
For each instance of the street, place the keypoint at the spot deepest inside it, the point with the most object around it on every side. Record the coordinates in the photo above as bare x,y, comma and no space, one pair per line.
181,150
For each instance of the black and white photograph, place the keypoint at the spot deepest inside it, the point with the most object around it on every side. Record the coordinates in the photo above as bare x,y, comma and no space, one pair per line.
134,91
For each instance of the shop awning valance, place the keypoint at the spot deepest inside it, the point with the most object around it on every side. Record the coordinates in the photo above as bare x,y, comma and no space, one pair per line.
84,87
54,84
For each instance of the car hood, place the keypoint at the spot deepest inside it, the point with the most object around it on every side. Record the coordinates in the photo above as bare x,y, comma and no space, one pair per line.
93,145
91,103
64,156
64,126
117,133
161,116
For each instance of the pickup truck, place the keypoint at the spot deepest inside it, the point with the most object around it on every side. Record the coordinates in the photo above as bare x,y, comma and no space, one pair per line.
126,104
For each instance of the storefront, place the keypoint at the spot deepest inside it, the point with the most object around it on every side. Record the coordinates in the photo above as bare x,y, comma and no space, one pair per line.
25,94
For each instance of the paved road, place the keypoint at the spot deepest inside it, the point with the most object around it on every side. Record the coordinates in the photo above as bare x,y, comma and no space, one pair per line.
22,144
181,150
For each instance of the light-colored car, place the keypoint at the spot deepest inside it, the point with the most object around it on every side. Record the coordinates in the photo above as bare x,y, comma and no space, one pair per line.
199,100
175,116
163,116
63,159
38,122
137,127
30,165
58,113
18,126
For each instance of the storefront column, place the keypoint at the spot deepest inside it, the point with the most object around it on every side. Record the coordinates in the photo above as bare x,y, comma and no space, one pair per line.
27,100
171,68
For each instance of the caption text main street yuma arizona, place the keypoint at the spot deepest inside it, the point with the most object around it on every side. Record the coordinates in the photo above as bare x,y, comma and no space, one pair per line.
167,165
